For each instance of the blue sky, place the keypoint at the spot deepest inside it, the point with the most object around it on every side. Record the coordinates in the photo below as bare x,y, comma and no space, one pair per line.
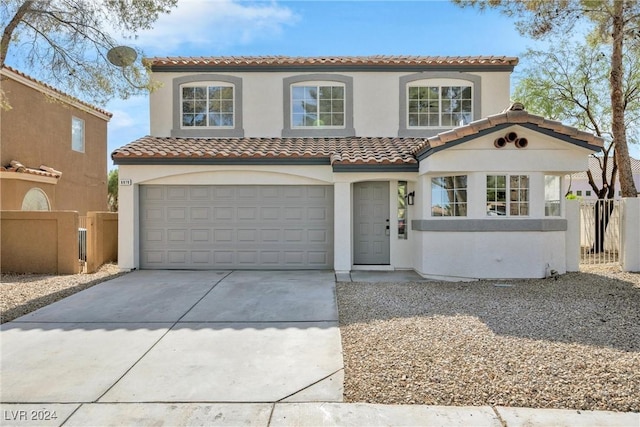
315,28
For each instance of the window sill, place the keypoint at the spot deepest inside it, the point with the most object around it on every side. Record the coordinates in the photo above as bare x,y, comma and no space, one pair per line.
208,133
318,133
489,224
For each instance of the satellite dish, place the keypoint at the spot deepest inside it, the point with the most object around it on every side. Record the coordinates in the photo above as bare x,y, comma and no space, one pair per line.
122,56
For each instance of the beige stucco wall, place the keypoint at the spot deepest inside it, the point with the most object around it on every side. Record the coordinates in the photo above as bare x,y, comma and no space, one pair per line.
12,191
102,239
39,242
376,99
37,131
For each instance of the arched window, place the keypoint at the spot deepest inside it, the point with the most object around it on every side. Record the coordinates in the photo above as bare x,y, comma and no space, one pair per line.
35,200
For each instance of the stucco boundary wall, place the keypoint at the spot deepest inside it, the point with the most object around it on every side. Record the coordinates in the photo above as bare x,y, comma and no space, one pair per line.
572,239
102,239
630,234
39,242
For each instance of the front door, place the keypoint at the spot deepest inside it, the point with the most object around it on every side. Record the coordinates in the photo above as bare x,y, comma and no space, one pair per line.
371,223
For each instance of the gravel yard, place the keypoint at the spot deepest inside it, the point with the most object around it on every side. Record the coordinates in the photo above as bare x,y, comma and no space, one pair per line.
23,293
567,343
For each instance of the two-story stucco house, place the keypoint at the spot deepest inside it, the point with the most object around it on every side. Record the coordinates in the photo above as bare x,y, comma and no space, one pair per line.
346,163
53,148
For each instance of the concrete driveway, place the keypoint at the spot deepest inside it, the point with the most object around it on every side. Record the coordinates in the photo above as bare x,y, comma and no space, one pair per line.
178,336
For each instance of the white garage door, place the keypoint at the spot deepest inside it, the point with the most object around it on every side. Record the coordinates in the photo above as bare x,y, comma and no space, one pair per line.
236,227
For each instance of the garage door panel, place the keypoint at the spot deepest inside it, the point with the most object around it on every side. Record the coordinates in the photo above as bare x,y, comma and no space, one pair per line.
200,214
199,193
177,214
177,193
236,227
153,214
247,213
200,235
201,257
270,214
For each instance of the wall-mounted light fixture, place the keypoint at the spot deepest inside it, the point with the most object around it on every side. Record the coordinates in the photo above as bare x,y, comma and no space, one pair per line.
410,198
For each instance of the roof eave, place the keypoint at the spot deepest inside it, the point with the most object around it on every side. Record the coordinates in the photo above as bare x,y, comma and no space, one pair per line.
289,161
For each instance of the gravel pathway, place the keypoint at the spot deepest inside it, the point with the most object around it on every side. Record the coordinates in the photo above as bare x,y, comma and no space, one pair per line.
23,293
567,343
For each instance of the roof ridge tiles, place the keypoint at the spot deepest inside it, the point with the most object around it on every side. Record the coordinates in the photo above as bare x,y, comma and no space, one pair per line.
331,59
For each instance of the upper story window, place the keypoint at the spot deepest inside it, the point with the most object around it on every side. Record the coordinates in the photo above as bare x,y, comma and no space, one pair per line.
317,105
207,106
507,195
77,134
439,106
431,102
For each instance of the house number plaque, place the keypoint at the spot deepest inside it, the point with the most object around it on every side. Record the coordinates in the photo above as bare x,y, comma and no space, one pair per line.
124,181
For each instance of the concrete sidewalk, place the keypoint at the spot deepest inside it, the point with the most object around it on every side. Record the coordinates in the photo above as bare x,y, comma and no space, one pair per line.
303,414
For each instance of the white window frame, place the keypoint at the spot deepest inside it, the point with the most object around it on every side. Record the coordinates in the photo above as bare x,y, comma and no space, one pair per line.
318,85
207,85
552,196
74,146
427,84
491,210
453,203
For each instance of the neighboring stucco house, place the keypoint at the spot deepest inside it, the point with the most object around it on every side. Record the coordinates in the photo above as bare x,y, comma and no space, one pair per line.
53,148
346,163
578,183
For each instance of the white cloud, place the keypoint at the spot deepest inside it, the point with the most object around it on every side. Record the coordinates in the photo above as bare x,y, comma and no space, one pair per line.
213,25
128,113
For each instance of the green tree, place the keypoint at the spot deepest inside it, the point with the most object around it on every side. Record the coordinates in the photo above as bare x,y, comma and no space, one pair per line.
67,41
570,84
112,190
613,23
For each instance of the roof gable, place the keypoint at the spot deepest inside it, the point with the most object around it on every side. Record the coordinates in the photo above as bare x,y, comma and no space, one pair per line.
514,115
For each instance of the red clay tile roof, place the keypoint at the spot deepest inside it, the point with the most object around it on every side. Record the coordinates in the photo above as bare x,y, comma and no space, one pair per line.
342,151
18,167
7,70
377,60
515,114
337,151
